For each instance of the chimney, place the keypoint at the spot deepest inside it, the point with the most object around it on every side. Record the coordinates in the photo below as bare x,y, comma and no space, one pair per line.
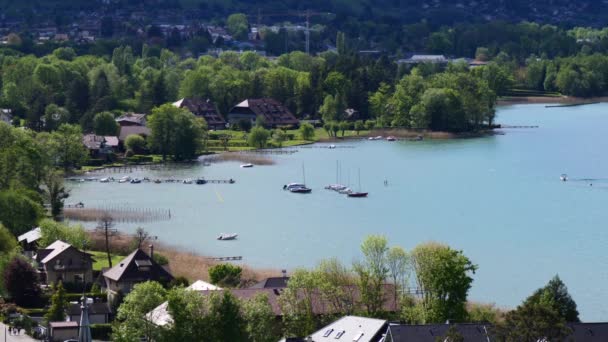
151,251
284,273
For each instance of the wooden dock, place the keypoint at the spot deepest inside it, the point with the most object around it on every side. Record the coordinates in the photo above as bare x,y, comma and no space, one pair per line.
232,258
517,126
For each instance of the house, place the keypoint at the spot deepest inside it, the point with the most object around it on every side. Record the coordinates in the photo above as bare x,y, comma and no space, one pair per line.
125,131
203,108
271,112
431,332
99,313
272,282
160,316
131,119
137,267
581,332
63,331
28,241
100,145
350,328
62,261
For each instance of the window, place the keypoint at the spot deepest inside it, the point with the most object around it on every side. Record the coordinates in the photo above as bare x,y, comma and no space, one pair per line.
328,332
358,336
340,333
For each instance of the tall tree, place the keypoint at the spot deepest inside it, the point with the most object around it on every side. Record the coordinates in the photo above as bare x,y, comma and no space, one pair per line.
444,277
260,319
555,295
132,319
372,272
55,192
105,124
59,305
66,147
22,282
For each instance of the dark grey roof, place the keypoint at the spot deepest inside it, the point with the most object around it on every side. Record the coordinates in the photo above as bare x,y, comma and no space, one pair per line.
430,332
94,309
589,332
128,269
272,282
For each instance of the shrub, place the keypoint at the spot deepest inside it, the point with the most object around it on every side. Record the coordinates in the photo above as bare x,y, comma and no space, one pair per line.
101,331
225,275
21,281
135,143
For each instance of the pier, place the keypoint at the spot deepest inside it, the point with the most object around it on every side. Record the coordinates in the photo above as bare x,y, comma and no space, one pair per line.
232,258
155,181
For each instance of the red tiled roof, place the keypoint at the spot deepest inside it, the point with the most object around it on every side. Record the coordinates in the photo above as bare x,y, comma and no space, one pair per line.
272,111
203,108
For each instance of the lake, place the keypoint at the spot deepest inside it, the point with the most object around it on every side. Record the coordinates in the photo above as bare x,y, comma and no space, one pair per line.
497,198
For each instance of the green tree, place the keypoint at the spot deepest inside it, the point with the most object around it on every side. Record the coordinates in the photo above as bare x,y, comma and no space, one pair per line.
341,43
307,131
279,136
175,131
296,303
344,126
238,26
55,192
54,116
132,321
532,322
398,264
372,273
7,240
18,212
52,231
329,109
66,147
22,282
260,319
443,276
258,137
105,124
359,126
59,304
379,100
135,143
225,275
555,295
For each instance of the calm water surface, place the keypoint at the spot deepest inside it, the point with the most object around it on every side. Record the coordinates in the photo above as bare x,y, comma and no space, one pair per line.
499,199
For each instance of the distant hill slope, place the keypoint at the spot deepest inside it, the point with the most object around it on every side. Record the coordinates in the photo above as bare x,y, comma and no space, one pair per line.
437,12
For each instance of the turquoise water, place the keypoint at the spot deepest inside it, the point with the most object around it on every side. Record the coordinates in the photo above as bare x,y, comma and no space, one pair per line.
498,198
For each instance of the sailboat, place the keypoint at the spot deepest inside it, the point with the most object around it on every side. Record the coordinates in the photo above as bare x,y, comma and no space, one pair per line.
358,193
299,188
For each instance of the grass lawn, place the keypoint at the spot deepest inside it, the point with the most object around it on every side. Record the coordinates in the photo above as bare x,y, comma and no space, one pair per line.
101,260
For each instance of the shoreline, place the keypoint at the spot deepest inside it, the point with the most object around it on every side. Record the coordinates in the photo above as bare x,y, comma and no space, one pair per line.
565,100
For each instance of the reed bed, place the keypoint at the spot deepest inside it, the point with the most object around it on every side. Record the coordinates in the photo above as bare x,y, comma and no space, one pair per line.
184,263
117,213
240,157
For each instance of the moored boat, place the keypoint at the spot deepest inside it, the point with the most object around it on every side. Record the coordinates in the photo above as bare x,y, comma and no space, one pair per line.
187,181
225,236
201,181
135,181
157,181
301,190
391,138
357,194
563,177
248,165
124,179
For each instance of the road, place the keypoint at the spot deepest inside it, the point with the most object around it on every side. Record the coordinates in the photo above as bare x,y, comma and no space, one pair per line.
4,335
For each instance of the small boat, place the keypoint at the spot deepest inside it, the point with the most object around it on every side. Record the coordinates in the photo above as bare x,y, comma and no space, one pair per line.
157,181
301,190
201,181
187,181
563,177
357,194
248,165
225,236
124,179
345,191
371,138
391,138
336,187
291,186
231,181
135,181
378,137
104,180
170,180
90,179
331,147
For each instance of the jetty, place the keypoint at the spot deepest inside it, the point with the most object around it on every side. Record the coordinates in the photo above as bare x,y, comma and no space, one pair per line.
230,258
152,181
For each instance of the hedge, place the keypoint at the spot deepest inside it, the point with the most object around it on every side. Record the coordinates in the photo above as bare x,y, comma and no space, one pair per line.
101,331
